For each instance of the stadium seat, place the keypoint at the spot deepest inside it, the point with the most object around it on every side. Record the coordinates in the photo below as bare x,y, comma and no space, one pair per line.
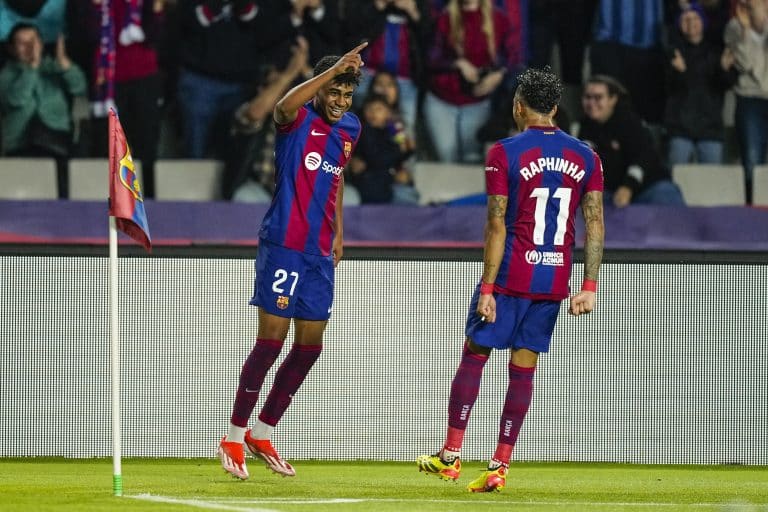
28,178
188,180
710,184
760,186
439,182
89,178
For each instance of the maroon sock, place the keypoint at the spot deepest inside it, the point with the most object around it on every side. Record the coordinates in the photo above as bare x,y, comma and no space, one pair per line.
464,388
255,368
501,456
288,379
516,404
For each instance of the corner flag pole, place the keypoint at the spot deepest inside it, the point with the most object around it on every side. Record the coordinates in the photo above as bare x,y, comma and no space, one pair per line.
126,212
114,327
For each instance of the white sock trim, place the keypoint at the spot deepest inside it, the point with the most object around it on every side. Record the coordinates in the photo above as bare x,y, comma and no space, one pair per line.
261,430
236,434
449,455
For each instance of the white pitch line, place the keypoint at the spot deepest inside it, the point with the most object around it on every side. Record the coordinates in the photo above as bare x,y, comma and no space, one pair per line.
219,503
198,503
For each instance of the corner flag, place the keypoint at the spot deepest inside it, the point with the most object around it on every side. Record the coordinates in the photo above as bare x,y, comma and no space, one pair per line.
126,202
126,213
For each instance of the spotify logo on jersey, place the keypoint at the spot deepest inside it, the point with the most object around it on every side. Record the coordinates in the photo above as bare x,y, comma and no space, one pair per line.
312,161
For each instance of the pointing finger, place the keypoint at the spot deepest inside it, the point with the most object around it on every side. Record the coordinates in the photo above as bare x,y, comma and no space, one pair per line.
359,48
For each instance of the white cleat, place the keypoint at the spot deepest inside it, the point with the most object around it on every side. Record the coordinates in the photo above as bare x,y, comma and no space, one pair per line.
263,449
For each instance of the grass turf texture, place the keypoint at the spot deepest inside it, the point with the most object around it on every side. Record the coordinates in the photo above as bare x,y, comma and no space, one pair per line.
47,484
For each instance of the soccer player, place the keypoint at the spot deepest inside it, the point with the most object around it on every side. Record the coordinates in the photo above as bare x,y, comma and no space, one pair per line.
535,181
300,243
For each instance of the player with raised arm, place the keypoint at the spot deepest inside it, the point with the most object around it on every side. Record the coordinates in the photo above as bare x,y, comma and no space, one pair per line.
300,243
535,181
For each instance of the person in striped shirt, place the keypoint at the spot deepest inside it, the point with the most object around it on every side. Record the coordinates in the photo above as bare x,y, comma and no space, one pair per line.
300,243
535,181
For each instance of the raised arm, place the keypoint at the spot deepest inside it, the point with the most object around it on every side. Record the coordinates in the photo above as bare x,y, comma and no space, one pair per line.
592,209
288,107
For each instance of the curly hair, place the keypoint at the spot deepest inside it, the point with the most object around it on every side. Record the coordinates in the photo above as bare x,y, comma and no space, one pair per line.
541,89
327,62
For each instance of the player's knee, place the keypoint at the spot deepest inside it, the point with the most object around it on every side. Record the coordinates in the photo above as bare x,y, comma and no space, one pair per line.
524,358
477,349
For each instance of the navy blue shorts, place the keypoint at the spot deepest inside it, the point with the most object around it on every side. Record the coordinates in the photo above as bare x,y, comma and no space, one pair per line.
292,284
520,323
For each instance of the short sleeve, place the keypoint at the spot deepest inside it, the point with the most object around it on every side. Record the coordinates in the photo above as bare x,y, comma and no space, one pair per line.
289,127
496,171
595,183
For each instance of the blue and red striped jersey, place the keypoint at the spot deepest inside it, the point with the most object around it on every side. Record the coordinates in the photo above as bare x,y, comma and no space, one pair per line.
310,156
544,172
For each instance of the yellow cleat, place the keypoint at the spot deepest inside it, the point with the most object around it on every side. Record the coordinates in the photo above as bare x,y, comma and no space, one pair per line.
489,481
434,465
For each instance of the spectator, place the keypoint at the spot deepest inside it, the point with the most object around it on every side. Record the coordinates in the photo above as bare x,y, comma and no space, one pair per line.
47,15
627,46
377,169
468,60
715,12
698,74
249,172
632,165
222,52
399,32
386,84
36,91
566,23
745,36
318,22
121,39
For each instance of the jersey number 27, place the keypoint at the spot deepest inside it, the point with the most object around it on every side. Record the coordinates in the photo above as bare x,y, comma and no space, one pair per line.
281,276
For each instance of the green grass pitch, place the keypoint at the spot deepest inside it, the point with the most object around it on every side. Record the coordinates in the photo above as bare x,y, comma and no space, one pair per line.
54,484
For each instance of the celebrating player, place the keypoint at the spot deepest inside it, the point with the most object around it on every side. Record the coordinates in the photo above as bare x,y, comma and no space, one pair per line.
535,181
300,243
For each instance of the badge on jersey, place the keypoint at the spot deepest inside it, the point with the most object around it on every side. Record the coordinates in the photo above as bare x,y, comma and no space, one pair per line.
347,148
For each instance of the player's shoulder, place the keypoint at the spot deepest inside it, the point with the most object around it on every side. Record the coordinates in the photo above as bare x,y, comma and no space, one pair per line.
303,115
526,139
577,145
507,142
350,123
351,117
580,144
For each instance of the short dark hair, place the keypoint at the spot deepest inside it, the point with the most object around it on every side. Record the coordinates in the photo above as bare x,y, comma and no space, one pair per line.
615,88
19,27
376,98
541,89
327,62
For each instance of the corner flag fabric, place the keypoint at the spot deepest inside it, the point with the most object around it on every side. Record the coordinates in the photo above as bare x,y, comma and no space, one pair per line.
126,203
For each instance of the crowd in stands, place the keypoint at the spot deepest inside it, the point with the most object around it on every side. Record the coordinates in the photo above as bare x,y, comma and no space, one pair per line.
645,82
